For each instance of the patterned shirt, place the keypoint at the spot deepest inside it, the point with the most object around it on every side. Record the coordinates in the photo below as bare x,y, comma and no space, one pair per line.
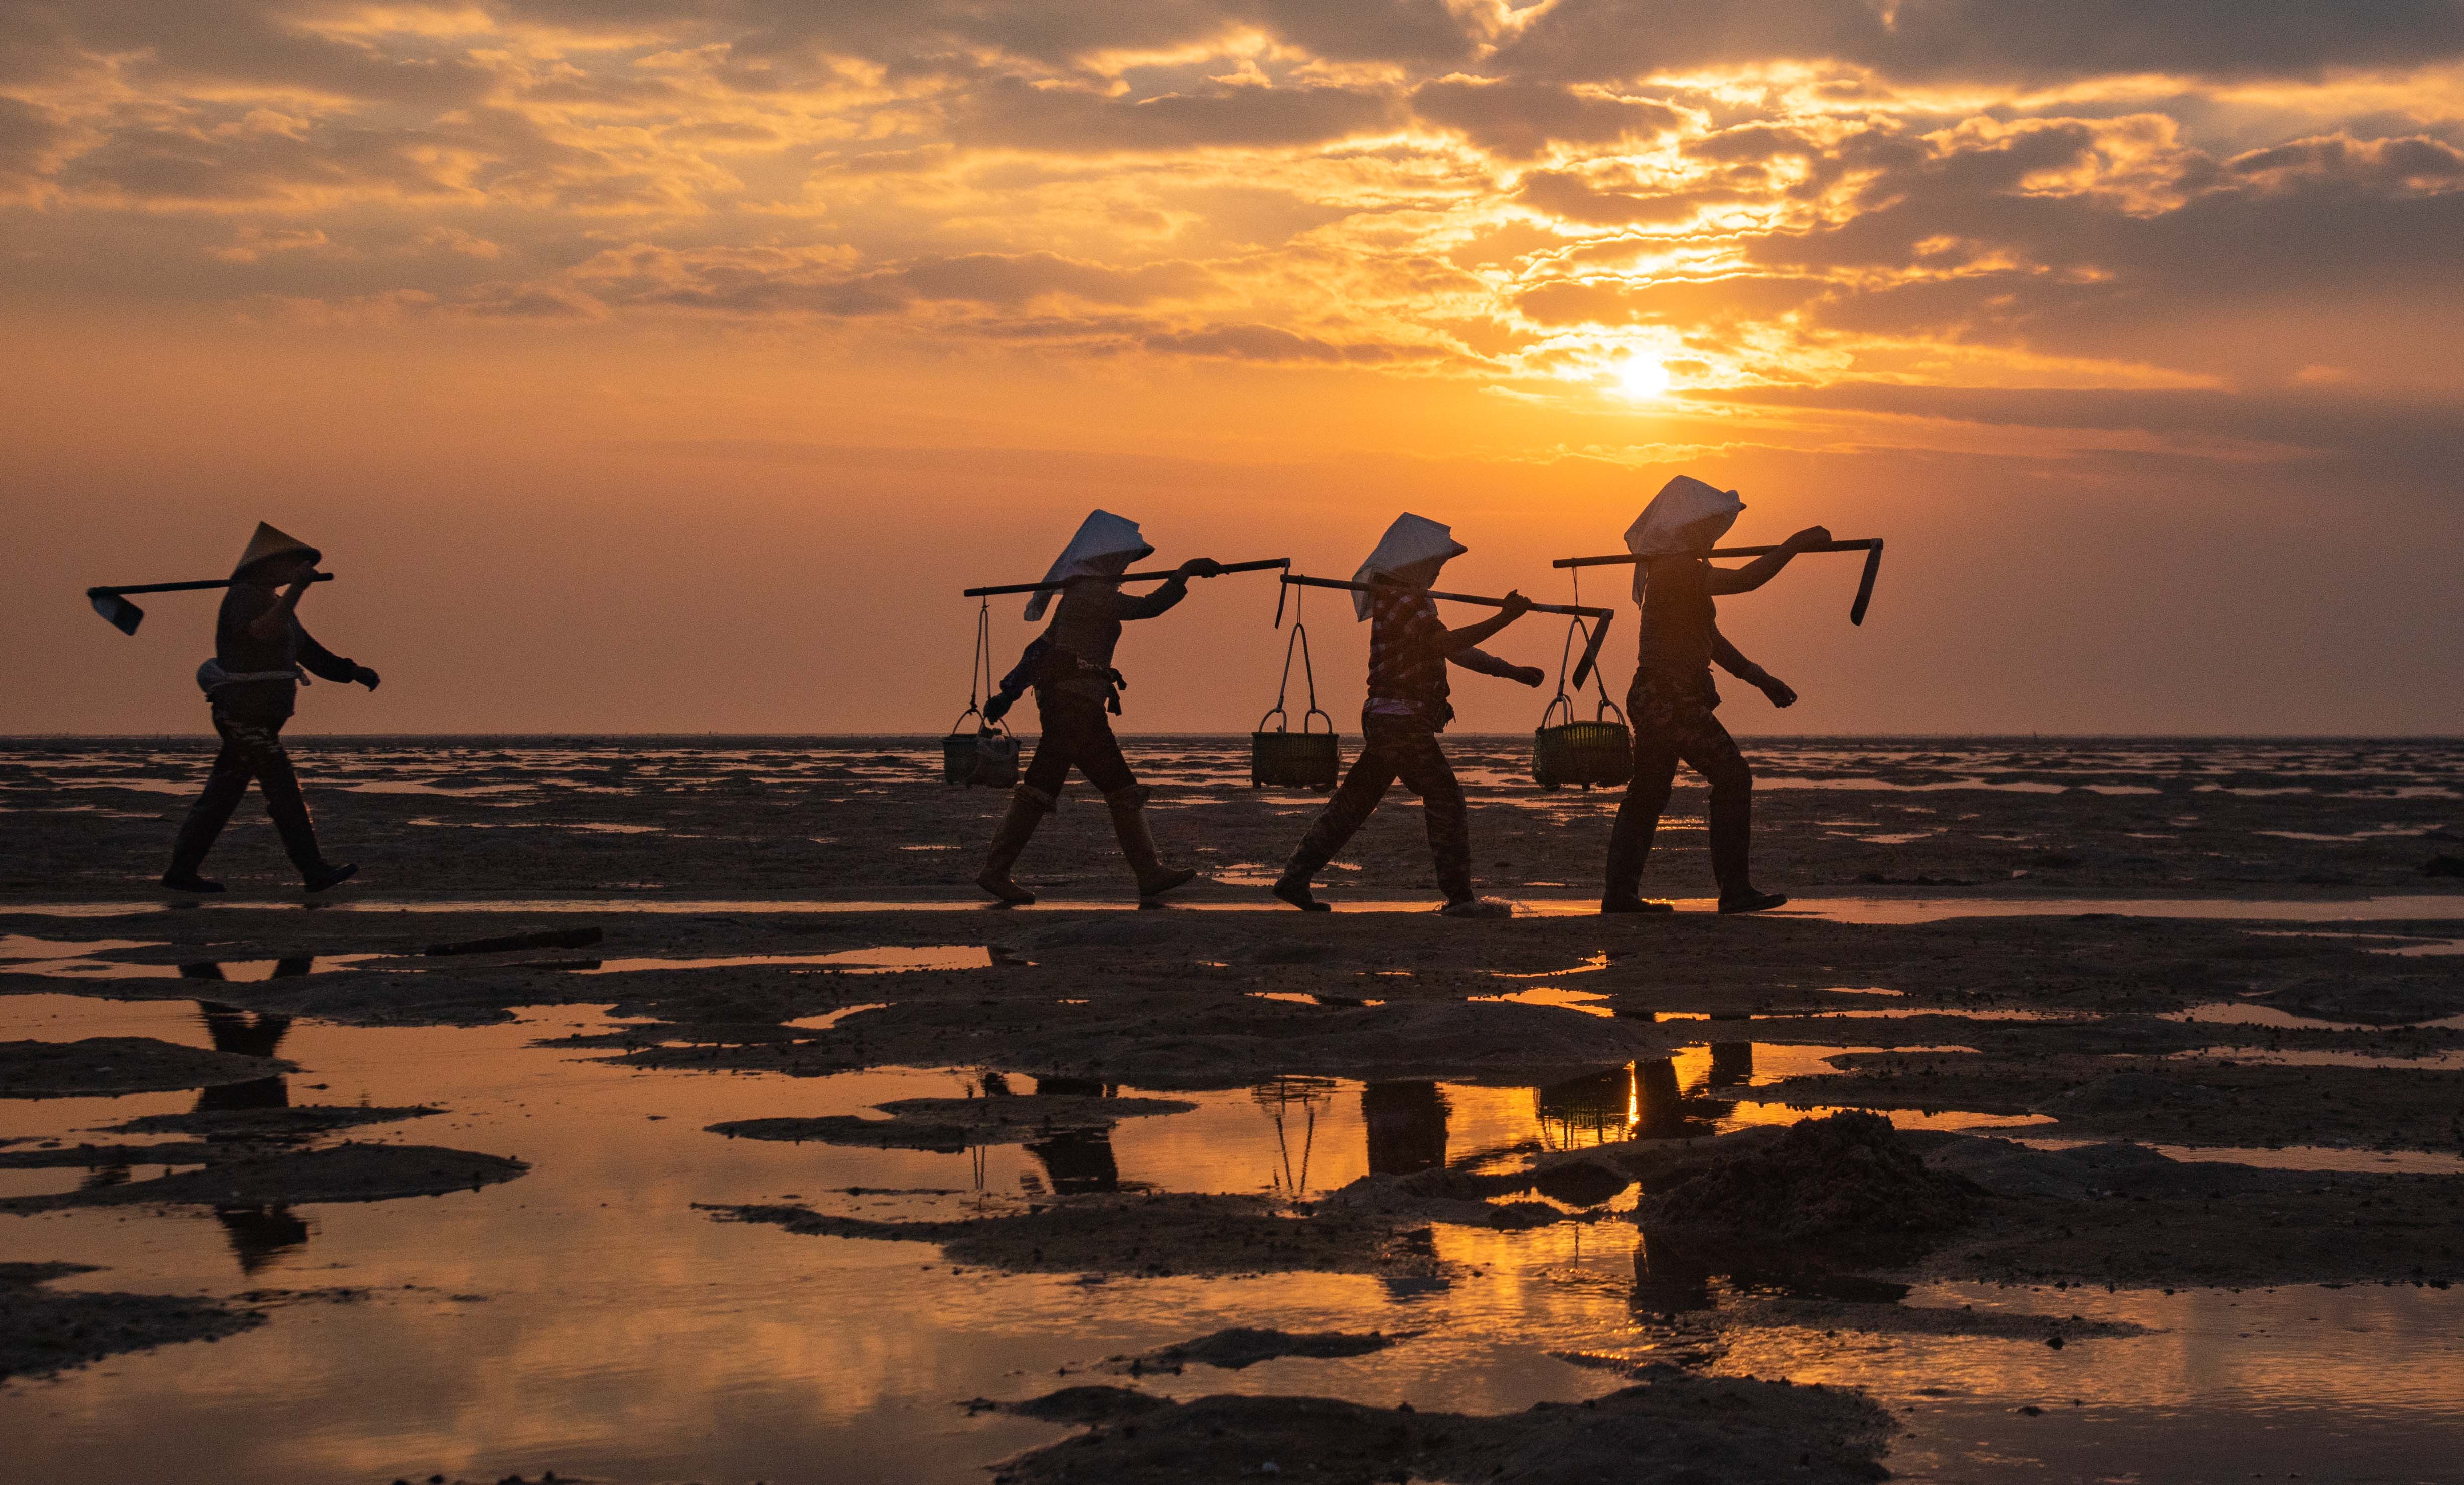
1407,656
1086,624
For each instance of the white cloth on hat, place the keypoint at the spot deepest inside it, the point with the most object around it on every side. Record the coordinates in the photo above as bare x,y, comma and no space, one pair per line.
1101,534
1412,539
1681,503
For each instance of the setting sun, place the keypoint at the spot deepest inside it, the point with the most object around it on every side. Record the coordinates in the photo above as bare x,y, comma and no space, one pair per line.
1642,378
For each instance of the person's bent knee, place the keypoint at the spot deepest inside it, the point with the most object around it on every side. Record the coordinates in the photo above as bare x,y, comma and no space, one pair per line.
1732,778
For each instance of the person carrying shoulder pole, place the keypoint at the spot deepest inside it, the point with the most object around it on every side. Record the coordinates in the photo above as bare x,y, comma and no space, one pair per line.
1076,692
252,684
1672,697
1409,649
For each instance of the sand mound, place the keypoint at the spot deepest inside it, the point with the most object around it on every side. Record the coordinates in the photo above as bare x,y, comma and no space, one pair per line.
1844,1186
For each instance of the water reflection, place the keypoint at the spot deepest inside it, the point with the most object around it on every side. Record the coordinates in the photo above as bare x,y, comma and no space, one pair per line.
1292,1105
1407,1126
257,1234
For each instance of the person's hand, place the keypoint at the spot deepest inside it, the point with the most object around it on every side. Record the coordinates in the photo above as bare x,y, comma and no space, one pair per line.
1778,692
1530,675
1515,606
1811,537
369,678
994,711
1201,567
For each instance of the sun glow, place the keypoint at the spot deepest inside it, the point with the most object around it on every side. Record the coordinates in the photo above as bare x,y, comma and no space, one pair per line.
1642,379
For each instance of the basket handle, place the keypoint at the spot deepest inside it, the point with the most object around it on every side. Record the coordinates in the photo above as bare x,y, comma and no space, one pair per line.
1277,710
1298,643
1550,710
973,711
1314,712
1601,713
1565,660
980,685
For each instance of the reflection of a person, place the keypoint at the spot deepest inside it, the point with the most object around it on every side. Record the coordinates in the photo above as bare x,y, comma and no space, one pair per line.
1407,1126
1670,1285
1732,1064
235,1030
260,1234
1589,1110
1078,1161
257,1235
1660,1109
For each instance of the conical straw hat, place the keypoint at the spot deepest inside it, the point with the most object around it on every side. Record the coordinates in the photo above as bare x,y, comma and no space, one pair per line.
272,542
1412,539
1101,534
1681,503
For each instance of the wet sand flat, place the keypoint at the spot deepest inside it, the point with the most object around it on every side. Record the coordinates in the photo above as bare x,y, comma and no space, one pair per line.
1461,1134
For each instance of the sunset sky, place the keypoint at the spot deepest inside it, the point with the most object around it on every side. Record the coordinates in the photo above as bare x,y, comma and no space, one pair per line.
653,366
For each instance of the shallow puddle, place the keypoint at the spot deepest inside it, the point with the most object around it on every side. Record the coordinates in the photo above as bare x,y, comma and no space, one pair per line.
587,1318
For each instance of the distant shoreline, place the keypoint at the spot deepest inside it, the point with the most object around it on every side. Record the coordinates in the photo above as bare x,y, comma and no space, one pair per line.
923,738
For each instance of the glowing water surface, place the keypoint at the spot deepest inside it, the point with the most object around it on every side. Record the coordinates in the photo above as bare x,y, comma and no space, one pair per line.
587,1319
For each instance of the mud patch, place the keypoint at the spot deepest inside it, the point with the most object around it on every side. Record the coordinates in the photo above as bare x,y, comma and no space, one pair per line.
44,1331
344,1173
2119,1215
949,1124
1240,1348
112,1066
297,1123
1674,1428
1145,1236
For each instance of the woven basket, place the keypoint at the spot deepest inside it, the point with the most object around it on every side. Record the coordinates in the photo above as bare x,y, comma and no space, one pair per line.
1286,759
1589,753
980,758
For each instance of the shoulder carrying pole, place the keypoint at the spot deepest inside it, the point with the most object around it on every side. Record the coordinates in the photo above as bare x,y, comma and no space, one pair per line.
1871,546
1591,651
1284,562
126,615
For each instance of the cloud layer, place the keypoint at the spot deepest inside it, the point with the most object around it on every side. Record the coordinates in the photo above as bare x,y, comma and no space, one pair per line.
1768,197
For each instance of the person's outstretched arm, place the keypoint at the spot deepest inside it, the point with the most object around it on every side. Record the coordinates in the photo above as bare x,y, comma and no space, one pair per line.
1474,658
1173,589
1764,568
326,665
1515,607
1730,659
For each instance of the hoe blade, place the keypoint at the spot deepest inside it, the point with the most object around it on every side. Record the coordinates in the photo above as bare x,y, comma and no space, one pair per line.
1866,584
122,614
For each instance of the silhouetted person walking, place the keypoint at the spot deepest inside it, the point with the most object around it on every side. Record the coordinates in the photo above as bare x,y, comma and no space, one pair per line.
1409,649
1077,692
1672,697
252,684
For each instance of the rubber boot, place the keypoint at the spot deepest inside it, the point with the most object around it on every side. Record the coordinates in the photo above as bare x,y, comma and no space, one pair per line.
1293,885
289,811
1630,840
201,827
1028,807
1137,843
1732,833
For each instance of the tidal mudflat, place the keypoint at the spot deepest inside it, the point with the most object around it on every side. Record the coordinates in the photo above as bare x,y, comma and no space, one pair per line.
755,1149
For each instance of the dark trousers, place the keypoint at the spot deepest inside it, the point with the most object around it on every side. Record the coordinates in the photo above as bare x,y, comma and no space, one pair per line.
1395,748
1672,724
1077,733
252,750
